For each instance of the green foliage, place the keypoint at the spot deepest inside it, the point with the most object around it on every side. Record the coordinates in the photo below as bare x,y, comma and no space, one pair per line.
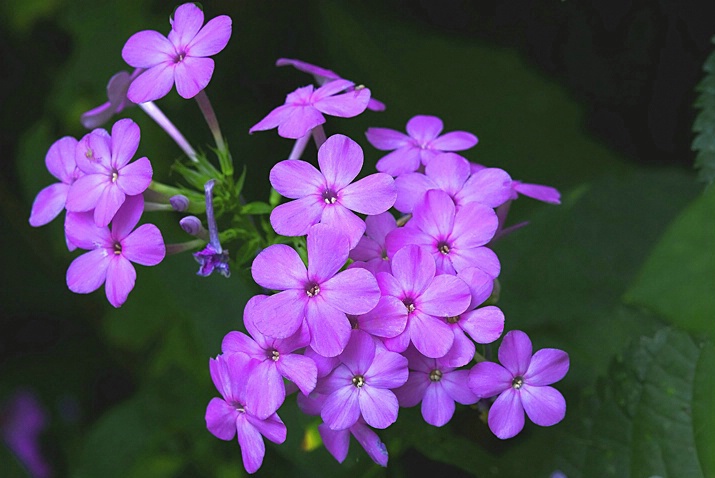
704,126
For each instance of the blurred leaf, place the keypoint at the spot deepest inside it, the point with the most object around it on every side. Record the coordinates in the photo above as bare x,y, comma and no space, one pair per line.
643,422
256,208
678,279
704,126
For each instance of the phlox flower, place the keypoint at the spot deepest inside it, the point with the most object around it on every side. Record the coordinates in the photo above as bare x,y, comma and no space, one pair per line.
451,173
361,385
522,384
421,143
180,58
213,257
116,94
426,298
370,253
22,421
109,177
329,196
437,385
455,238
277,361
50,202
323,76
304,108
320,294
233,414
112,251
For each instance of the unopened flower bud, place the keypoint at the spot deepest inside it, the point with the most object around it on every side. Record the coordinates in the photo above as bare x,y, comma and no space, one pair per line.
192,225
179,202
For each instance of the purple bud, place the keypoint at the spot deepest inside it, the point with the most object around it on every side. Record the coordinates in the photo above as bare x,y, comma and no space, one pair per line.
179,202
192,225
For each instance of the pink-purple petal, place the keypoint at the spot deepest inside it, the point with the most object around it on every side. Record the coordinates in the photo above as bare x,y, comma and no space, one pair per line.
387,319
547,366
279,267
281,315
135,177
388,370
144,246
300,120
192,75
341,409
506,417
431,336
434,214
336,215
414,269
295,218
447,296
337,442
121,277
386,139
295,179
328,250
252,447
353,291
411,393
340,160
88,272
221,419
405,159
378,406
373,194
125,141
153,84
346,105
545,406
489,186
300,370
212,38
483,325
48,204
537,191
411,188
84,194
235,342
481,257
272,427
60,159
515,352
273,119
372,444
454,141
487,379
424,128
147,48
329,328
437,406
108,204
456,385
185,24
127,217
331,88
265,382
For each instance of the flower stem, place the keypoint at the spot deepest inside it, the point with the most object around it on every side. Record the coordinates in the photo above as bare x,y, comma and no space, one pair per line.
299,147
319,136
210,116
183,246
157,115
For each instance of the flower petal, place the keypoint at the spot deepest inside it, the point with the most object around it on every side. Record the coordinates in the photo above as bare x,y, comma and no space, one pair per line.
424,128
328,250
434,214
506,417
329,328
336,215
340,160
378,406
85,192
373,194
456,384
341,409
431,336
515,352
108,204
279,267
154,83
48,204
454,141
300,120
547,366
212,38
88,271
386,139
387,319
185,24
144,246
300,370
265,382
272,428
147,48
369,440
544,405
252,447
125,141
281,315
405,159
346,105
135,177
296,179
121,277
274,118
337,442
484,325
447,296
487,379
414,269
353,291
60,159
221,419
437,406
192,75
295,218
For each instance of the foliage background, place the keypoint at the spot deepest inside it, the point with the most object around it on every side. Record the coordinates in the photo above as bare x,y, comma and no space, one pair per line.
595,98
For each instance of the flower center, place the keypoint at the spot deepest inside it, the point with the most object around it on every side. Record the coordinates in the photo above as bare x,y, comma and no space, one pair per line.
384,255
275,355
517,383
329,196
117,248
313,290
435,375
409,304
180,57
115,176
358,381
453,320
443,247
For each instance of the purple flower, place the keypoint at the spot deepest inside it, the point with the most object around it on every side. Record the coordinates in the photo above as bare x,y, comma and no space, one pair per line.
360,385
456,239
426,299
213,256
537,191
181,58
234,413
116,94
451,173
421,143
522,385
304,108
22,420
277,361
319,294
370,253
108,176
323,76
112,251
437,385
327,196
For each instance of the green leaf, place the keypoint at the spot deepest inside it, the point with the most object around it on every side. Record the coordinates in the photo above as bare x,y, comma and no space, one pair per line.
256,208
704,123
678,280
643,421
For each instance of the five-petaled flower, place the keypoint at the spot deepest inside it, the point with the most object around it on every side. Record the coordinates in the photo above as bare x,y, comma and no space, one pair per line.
181,58
522,383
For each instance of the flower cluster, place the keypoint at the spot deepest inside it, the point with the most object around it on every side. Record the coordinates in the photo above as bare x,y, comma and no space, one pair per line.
378,290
